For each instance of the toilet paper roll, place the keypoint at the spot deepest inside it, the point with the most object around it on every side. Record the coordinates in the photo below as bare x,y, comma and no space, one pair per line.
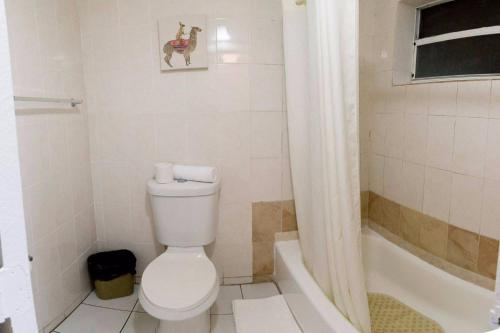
164,173
205,174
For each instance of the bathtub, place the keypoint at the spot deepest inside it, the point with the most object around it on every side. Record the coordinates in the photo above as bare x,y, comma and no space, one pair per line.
458,306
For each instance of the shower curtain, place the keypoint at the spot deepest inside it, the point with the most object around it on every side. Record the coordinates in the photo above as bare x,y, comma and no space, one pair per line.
320,42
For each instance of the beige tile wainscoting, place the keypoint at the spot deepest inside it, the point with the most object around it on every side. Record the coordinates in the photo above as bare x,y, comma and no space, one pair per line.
468,255
269,218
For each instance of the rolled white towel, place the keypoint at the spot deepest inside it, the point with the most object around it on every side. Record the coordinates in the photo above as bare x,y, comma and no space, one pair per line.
205,174
164,173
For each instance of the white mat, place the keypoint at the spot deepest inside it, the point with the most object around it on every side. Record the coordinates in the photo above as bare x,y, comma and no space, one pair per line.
264,315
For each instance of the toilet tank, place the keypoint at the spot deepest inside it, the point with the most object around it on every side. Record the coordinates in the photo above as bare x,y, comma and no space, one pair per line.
185,214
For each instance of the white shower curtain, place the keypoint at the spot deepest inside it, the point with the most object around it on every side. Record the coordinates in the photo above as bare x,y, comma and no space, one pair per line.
322,100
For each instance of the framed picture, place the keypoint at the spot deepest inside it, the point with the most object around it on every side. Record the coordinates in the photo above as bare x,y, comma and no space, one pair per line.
183,42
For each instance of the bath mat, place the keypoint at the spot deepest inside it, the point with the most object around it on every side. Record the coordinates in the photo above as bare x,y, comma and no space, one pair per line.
264,315
388,315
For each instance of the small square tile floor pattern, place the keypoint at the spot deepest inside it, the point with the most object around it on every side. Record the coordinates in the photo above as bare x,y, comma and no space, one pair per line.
125,314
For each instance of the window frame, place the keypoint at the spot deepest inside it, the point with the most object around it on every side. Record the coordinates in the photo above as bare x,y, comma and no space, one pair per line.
492,30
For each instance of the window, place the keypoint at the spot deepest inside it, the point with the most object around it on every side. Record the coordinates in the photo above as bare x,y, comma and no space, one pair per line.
457,38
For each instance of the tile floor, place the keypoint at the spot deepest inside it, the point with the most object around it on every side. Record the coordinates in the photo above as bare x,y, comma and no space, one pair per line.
125,315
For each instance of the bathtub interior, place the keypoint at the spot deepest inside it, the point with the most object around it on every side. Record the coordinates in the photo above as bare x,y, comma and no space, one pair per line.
457,305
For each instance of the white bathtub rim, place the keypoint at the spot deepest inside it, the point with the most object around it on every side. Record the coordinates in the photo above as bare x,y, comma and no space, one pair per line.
292,258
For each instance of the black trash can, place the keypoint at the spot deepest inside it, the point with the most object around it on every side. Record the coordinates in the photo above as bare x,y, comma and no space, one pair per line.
112,273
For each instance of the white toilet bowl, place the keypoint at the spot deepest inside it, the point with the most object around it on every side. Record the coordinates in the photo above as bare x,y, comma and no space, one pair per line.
179,287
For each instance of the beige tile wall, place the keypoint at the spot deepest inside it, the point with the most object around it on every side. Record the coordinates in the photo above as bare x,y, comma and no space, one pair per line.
268,219
230,116
54,153
433,147
468,250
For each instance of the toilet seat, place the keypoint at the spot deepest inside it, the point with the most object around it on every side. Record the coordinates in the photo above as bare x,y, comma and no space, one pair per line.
179,284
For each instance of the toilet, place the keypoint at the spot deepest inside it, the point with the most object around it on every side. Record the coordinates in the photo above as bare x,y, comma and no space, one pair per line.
180,285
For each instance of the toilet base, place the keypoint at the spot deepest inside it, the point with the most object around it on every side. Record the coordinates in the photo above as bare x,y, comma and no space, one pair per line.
198,324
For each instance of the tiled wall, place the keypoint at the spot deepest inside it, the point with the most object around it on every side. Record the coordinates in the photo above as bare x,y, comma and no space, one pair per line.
434,147
54,153
17,293
230,116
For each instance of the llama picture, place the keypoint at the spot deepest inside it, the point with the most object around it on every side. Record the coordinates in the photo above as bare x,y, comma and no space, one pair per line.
183,43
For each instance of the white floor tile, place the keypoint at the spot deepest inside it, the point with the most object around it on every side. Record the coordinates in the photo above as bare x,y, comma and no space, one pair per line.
222,324
259,290
224,302
91,319
123,303
141,323
138,308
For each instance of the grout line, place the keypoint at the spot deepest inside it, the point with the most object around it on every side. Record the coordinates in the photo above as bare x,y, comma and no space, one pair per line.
135,304
241,291
76,307
105,307
126,321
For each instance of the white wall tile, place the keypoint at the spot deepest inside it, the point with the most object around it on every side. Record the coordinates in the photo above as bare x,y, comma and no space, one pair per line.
437,193
171,128
66,245
495,99
443,98
266,88
266,134
233,87
393,179
470,146
490,214
202,138
396,99
415,142
266,8
395,136
236,239
417,99
492,164
378,134
466,198
440,135
133,12
266,179
376,178
413,185
473,98
267,41
286,180
233,40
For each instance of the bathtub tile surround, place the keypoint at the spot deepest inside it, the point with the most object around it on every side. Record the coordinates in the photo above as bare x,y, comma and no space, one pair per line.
230,116
54,153
470,251
268,219
431,149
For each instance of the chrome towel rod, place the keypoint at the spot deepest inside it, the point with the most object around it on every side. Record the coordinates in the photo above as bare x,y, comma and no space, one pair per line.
72,101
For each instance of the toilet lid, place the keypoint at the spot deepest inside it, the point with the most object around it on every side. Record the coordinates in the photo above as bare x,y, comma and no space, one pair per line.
179,281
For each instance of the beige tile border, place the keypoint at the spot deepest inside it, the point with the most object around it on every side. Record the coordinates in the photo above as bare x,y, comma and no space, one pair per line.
271,221
459,252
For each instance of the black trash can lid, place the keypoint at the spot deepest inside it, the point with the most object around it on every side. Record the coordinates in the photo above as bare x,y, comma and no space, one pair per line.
106,266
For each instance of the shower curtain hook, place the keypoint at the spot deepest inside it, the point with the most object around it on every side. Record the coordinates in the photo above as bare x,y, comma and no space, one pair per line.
300,2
